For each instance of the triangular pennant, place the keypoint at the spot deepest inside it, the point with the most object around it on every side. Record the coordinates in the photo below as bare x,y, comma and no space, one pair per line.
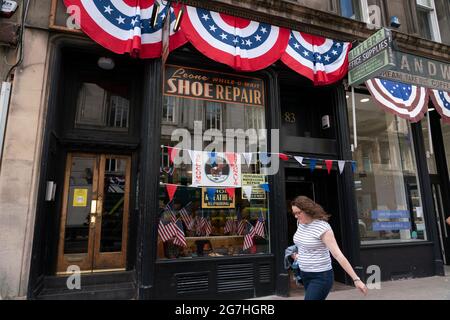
341,165
299,160
171,152
247,192
353,166
265,186
191,155
230,192
211,193
264,158
171,188
329,164
312,164
248,157
283,156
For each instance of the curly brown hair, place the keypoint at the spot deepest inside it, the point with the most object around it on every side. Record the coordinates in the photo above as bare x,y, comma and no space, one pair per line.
312,209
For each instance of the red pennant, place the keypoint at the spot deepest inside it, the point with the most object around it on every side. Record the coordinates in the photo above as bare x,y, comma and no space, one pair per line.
230,192
171,153
329,164
231,157
171,188
283,156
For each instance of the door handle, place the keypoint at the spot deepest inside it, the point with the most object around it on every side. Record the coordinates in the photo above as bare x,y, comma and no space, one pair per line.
92,221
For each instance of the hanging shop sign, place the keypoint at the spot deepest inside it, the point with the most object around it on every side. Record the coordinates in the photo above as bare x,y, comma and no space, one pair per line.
212,169
391,226
212,86
253,180
219,199
390,214
419,71
371,57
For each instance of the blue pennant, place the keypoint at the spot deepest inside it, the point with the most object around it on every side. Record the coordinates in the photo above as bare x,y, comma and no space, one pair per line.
312,164
264,158
265,186
353,166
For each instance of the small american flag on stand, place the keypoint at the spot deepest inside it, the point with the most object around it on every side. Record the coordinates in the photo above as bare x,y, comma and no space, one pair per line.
248,238
166,231
186,216
259,227
173,216
229,226
208,226
180,239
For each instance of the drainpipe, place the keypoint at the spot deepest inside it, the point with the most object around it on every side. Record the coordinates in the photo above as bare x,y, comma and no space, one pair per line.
4,106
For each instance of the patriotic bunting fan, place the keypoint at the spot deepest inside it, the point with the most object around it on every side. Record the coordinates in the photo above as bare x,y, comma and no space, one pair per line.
240,43
405,100
123,26
441,101
322,60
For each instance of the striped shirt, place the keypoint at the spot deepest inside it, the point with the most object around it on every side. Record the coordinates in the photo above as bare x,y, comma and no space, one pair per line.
313,255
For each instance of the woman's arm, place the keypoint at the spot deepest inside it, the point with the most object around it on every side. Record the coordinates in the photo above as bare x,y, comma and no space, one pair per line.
330,241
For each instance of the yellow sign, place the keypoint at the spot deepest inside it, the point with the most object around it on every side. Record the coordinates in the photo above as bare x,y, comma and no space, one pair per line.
250,179
80,197
222,200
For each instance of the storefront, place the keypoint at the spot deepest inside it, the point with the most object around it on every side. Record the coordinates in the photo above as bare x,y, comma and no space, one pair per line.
121,146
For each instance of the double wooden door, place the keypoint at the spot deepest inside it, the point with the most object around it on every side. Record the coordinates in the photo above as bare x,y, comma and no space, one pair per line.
94,214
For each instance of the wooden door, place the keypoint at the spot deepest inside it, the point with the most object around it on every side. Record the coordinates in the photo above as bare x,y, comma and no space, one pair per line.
94,216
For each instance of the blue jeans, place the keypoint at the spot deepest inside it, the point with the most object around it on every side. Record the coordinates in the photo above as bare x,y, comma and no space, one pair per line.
317,284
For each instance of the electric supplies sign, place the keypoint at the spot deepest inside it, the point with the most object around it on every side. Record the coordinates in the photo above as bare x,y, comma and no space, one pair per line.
207,85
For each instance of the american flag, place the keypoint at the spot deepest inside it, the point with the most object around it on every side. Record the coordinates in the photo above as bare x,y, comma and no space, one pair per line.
230,226
259,226
248,239
207,227
201,221
241,226
173,216
186,216
166,231
180,239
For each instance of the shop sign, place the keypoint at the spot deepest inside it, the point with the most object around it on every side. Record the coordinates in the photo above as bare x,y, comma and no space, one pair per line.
212,86
389,214
80,197
216,169
222,200
389,226
254,180
419,71
371,57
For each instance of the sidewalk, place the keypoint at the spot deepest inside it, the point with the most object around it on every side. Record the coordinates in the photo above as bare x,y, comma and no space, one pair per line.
430,288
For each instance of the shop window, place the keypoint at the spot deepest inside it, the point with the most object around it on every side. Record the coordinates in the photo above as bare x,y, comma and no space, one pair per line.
211,228
351,9
102,106
387,189
427,19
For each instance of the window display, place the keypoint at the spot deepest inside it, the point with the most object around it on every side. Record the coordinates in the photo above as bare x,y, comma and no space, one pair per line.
387,191
199,221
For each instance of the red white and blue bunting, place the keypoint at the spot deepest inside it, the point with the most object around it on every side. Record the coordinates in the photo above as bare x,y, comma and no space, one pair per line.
240,43
407,101
441,101
322,60
123,26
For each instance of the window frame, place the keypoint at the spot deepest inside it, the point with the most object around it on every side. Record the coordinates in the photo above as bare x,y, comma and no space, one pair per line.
432,20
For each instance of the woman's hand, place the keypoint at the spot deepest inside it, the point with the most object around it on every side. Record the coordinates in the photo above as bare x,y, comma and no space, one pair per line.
361,286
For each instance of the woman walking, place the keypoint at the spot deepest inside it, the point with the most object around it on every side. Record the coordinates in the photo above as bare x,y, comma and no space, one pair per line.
315,240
